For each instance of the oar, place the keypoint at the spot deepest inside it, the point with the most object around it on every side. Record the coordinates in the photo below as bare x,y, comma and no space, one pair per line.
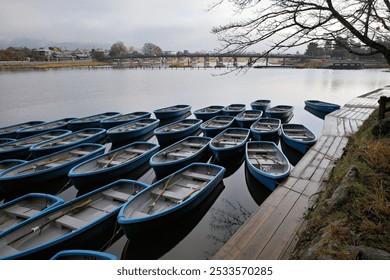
151,206
40,227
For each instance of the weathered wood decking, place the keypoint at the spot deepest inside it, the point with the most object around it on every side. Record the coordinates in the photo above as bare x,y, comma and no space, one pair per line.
271,232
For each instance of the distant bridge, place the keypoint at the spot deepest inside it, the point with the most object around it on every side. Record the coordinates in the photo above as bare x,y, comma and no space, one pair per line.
162,58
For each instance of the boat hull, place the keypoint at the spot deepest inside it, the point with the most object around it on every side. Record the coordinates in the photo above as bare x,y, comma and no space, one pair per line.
299,142
322,106
166,135
64,234
209,112
266,129
280,112
90,121
93,179
261,105
122,119
43,127
223,150
233,109
83,255
88,135
216,125
117,136
165,168
14,185
137,226
172,111
268,155
10,131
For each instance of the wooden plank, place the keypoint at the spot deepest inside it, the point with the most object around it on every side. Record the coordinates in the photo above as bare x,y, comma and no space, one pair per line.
242,237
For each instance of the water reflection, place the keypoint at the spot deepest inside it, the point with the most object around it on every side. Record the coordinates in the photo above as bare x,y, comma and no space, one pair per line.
292,155
167,235
231,165
258,191
316,113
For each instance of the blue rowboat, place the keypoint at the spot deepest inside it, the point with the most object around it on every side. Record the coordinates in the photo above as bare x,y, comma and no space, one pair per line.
216,125
322,106
22,208
261,104
229,143
86,222
26,177
78,255
20,149
180,154
109,167
123,118
172,111
266,129
169,198
92,121
298,137
43,127
208,112
10,131
9,163
176,131
132,130
246,118
233,109
87,135
280,111
267,163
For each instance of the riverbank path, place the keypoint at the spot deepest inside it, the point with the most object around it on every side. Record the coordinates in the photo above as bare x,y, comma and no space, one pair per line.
271,232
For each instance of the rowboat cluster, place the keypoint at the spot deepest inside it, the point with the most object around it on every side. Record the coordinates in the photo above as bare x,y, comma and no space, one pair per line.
187,155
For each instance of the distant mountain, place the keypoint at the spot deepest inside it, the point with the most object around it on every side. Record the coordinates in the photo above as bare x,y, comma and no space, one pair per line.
39,43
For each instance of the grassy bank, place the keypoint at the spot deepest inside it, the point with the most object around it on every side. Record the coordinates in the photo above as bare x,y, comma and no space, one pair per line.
48,65
361,220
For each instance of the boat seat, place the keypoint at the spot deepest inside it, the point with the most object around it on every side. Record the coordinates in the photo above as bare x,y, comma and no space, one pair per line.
51,165
194,145
120,196
106,162
178,154
200,176
79,153
71,222
177,195
229,143
21,211
235,135
84,134
138,151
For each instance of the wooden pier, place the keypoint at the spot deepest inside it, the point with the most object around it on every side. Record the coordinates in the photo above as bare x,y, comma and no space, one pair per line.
271,233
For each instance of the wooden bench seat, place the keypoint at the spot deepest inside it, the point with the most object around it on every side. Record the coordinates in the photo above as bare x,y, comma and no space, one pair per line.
71,222
21,211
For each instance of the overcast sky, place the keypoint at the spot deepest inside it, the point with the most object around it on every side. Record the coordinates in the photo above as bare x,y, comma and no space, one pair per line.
170,24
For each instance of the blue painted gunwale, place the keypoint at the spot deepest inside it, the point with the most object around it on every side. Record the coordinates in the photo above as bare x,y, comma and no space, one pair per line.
51,201
269,180
223,153
87,135
172,111
165,135
233,109
162,169
299,144
208,112
92,121
138,225
10,131
269,134
123,118
78,238
82,180
212,127
279,111
43,127
322,106
10,163
130,130
245,122
83,255
24,183
261,104
20,148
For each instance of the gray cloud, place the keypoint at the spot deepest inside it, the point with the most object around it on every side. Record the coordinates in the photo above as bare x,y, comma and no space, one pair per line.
171,24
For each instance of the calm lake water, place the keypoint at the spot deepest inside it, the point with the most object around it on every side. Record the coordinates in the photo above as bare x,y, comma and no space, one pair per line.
53,94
